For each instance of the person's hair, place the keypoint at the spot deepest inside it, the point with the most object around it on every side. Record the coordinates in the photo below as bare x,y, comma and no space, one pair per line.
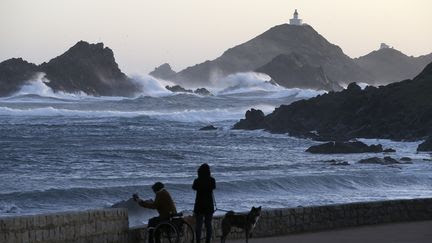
157,186
204,171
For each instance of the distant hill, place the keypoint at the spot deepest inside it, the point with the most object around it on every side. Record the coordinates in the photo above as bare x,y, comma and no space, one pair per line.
88,68
389,65
401,110
281,39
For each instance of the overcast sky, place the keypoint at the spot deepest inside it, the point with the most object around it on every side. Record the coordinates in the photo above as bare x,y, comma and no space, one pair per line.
146,33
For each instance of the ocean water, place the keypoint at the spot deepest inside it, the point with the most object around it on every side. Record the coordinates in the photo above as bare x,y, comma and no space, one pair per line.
61,152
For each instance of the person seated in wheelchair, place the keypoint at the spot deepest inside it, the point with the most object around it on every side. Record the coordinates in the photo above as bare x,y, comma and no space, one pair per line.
163,203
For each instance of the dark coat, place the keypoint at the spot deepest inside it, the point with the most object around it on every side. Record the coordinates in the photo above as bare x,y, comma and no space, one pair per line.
204,187
163,203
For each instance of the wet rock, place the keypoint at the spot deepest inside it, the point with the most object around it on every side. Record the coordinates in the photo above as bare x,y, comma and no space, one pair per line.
202,91
344,148
343,163
208,128
381,161
178,88
426,145
254,120
389,150
406,159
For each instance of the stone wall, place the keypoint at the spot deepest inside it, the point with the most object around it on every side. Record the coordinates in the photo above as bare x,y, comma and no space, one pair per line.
111,225
103,225
284,221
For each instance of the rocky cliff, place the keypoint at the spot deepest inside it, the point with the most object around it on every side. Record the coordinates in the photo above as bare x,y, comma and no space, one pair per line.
401,110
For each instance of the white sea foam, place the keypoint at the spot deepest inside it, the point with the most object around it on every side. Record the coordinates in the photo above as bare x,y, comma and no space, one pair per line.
187,115
152,86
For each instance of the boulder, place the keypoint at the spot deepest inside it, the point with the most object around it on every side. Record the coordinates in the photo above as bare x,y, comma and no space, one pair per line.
406,159
254,119
344,148
426,145
208,128
389,150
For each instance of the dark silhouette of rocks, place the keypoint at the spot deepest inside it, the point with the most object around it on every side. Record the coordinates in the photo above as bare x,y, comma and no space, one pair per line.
89,68
344,148
254,120
381,161
406,159
294,71
180,89
389,65
389,150
202,91
261,50
14,73
426,145
208,128
344,163
399,111
164,71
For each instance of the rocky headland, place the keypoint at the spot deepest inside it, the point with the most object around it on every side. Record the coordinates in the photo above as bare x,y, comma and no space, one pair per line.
399,111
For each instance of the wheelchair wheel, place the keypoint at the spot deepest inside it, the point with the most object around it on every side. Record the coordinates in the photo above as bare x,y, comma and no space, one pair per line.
186,232
166,233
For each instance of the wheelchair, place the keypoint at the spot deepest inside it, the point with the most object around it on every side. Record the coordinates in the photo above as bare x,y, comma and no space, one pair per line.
174,230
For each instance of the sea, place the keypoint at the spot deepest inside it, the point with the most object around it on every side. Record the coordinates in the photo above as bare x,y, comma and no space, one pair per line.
70,152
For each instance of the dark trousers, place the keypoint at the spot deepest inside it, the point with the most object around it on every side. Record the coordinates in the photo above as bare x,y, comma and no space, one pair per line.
208,224
151,225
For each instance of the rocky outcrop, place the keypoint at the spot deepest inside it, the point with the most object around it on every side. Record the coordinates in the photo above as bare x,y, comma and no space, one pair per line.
88,68
208,128
397,111
202,91
344,148
254,120
381,161
426,145
14,73
389,65
294,71
180,89
164,71
261,50
177,89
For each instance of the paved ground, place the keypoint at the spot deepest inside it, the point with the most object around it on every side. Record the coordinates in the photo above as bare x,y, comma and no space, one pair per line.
411,232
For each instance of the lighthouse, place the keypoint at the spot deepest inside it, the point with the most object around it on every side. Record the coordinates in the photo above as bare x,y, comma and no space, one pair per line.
295,20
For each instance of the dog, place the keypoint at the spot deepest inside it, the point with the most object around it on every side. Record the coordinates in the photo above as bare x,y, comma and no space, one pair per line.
246,222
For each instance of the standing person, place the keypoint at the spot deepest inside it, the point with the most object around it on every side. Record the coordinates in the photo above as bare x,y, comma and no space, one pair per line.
163,203
204,205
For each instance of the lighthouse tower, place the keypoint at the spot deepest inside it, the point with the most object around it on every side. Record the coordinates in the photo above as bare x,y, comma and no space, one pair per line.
295,20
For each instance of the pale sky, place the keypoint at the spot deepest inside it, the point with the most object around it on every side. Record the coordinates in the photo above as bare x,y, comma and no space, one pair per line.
146,33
